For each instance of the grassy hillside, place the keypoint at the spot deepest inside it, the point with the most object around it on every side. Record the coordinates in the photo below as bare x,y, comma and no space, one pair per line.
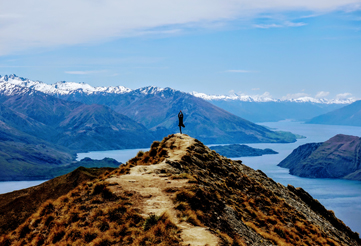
17,206
178,193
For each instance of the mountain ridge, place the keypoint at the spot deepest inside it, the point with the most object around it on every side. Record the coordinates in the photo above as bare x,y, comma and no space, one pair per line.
178,187
338,157
157,109
349,115
67,88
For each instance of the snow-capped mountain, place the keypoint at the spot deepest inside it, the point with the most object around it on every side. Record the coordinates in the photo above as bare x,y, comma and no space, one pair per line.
266,98
153,107
261,108
61,87
64,88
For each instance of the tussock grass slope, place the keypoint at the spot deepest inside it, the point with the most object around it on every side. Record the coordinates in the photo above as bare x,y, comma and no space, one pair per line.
205,192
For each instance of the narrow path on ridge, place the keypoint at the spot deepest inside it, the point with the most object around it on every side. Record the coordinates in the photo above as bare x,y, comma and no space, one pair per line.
149,183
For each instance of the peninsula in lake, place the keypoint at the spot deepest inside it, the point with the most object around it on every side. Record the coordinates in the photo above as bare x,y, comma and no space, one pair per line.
338,157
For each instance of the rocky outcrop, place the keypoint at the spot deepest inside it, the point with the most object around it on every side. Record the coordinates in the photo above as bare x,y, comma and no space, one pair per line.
338,157
179,193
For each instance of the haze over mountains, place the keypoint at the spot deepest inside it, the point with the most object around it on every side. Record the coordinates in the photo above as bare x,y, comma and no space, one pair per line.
349,115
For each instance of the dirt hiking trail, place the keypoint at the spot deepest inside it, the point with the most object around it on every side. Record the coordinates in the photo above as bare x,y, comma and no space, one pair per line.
149,184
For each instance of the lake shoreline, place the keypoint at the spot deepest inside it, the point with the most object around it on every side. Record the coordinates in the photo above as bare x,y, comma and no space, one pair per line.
341,196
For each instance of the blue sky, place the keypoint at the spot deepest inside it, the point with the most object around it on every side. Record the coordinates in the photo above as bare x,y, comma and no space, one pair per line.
284,49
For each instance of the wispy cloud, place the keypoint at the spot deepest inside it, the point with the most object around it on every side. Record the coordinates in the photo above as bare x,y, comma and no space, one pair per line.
322,94
71,22
283,24
84,72
295,96
255,89
343,95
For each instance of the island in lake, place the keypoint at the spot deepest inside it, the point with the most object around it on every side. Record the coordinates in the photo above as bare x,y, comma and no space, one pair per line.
240,150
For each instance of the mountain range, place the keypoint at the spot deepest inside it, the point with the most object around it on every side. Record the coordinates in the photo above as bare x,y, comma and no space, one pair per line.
338,157
178,193
273,111
156,109
349,115
43,126
73,125
252,108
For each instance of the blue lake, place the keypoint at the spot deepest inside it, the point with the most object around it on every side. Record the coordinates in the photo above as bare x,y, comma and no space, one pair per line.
9,186
341,196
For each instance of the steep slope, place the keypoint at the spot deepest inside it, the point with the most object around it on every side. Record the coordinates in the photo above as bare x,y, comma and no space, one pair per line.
71,124
97,127
25,123
22,156
12,212
157,109
182,193
338,157
349,115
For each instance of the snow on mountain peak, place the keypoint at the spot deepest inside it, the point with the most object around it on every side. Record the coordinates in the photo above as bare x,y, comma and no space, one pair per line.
267,98
67,88
246,98
61,87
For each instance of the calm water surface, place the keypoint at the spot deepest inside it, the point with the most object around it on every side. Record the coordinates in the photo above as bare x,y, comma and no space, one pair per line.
341,196
9,186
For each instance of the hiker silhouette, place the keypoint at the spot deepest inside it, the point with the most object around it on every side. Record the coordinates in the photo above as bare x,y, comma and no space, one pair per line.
180,117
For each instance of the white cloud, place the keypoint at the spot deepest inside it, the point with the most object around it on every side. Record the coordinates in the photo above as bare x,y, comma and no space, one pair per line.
255,89
283,24
84,72
343,96
322,94
266,26
295,96
41,23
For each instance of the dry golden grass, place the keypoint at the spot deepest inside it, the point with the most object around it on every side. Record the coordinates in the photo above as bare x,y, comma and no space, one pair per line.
222,183
91,214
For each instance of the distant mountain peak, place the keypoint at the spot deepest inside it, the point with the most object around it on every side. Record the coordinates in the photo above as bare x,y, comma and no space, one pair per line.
68,88
267,98
62,87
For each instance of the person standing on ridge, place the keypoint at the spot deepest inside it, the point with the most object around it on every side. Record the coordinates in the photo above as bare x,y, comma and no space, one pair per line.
180,117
